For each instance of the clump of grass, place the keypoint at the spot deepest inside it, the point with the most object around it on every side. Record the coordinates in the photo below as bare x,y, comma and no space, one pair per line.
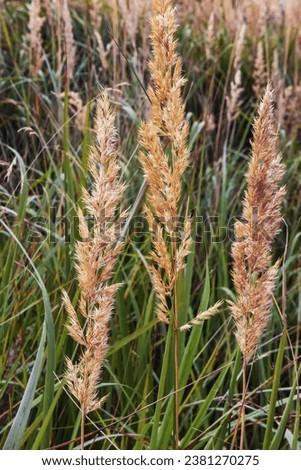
253,276
96,254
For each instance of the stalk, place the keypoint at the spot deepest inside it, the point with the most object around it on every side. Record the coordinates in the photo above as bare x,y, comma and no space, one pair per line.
177,404
97,254
176,366
165,157
254,276
243,404
82,431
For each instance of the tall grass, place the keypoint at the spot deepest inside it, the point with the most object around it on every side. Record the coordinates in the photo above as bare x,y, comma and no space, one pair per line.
44,166
253,277
96,254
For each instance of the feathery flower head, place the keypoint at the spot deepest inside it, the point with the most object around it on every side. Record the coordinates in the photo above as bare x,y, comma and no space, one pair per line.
253,276
96,255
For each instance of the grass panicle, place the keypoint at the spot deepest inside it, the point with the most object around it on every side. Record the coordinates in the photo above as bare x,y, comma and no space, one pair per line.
35,24
96,255
177,378
253,276
70,49
165,157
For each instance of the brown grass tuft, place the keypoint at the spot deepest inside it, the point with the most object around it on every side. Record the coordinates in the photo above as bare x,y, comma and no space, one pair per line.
70,50
239,45
35,24
233,101
253,276
209,37
260,76
165,156
95,13
49,7
96,255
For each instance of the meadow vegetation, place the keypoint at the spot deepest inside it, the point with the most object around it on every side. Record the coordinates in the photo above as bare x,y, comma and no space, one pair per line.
150,224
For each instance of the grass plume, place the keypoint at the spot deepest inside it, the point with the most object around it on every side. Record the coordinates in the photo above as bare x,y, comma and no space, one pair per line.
70,49
35,24
253,275
96,254
165,158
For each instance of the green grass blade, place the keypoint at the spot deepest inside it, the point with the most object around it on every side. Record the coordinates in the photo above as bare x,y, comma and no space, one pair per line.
285,416
46,420
197,422
16,432
218,439
164,373
296,436
186,364
274,394
131,337
51,345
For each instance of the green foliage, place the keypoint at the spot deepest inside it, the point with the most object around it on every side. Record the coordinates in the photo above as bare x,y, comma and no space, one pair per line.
48,154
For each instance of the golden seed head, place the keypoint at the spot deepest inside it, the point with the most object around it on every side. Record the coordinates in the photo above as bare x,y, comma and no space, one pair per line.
165,156
96,255
253,276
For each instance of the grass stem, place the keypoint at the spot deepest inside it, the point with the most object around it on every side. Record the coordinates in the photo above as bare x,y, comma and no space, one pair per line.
82,431
243,403
176,377
176,361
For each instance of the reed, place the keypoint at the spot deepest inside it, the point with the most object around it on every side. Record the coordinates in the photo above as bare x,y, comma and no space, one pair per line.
165,158
96,254
254,275
70,49
260,76
35,24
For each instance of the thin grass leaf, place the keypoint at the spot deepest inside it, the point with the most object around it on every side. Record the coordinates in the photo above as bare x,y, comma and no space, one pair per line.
16,432
285,416
274,394
51,344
